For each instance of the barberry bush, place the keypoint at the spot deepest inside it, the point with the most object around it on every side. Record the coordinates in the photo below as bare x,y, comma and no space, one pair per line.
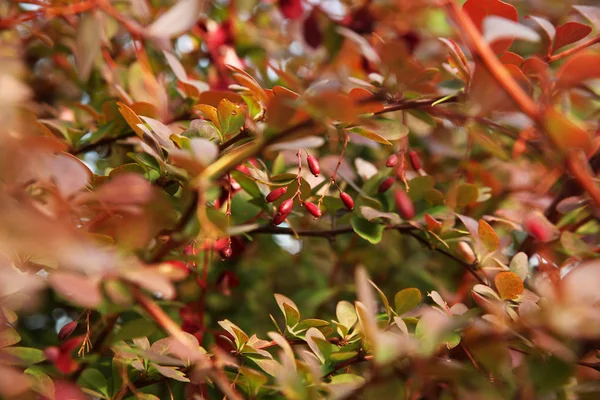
299,199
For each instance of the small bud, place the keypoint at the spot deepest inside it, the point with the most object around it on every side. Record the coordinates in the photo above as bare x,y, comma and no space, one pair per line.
466,252
415,161
67,330
313,165
279,218
286,206
347,200
276,193
404,204
538,226
313,209
226,252
385,185
392,161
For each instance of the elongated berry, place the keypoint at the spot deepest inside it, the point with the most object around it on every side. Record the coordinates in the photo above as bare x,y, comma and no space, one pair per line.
226,252
392,161
286,206
347,200
313,209
415,161
67,330
313,165
404,204
279,218
275,194
386,184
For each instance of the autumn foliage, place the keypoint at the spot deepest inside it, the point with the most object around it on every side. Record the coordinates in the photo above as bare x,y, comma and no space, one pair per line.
293,199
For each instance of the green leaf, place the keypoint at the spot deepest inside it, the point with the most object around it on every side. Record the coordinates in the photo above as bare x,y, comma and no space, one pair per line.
27,355
310,323
289,309
371,232
346,314
466,194
548,373
407,299
342,356
41,383
520,265
420,186
573,245
95,380
384,300
246,183
231,117
135,329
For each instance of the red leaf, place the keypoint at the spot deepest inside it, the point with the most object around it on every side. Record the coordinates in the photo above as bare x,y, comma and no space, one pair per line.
578,68
511,58
291,9
569,33
479,9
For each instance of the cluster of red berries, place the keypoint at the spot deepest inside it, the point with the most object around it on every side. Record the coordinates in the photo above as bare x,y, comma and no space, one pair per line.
285,208
404,204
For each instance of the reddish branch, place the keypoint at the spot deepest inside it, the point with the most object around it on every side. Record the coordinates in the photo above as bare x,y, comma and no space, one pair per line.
578,167
573,50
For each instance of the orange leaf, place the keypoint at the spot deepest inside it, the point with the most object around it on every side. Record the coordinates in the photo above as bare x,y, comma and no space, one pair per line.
569,33
488,236
509,285
213,97
131,117
579,68
360,98
478,10
511,58
564,133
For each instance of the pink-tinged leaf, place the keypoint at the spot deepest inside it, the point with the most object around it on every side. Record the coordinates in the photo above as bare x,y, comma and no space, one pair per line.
570,32
77,288
67,390
13,382
177,20
497,29
546,26
87,44
181,75
590,13
127,188
579,68
291,9
69,173
171,372
153,281
478,10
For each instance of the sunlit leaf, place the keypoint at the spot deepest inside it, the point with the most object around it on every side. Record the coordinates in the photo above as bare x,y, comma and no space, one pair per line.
509,285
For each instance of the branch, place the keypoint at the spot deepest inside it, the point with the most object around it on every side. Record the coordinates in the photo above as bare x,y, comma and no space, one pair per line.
171,243
102,142
573,50
480,48
402,228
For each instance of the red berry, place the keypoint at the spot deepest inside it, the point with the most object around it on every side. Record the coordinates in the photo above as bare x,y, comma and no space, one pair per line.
279,218
276,193
286,206
347,200
385,185
415,161
313,165
404,204
291,9
313,209
52,353
67,330
226,252
392,161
